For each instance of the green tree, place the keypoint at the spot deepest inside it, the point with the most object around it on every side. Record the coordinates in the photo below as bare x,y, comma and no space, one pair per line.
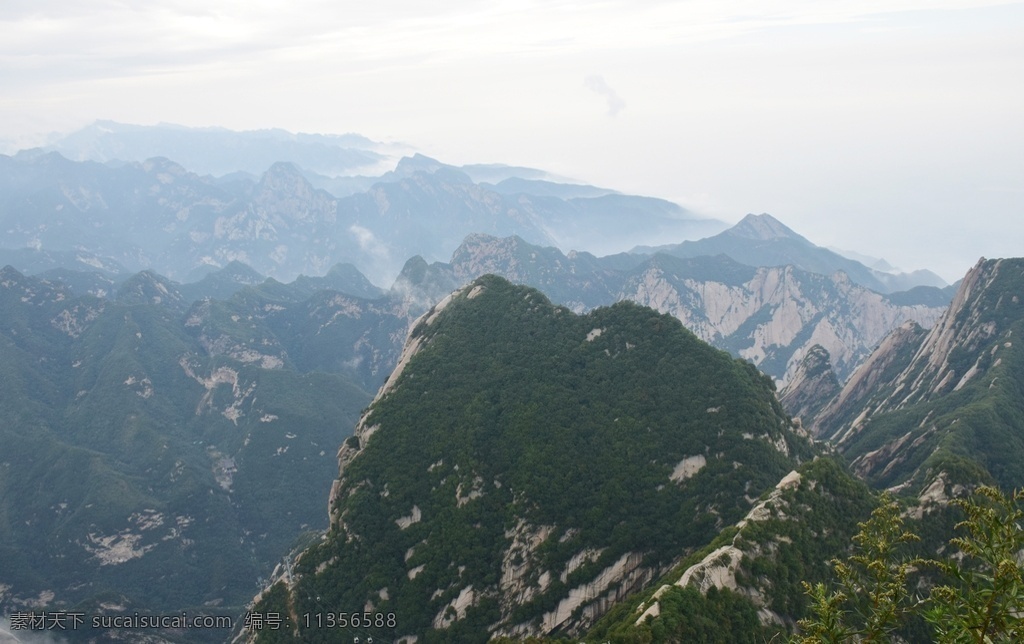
981,599
984,601
872,598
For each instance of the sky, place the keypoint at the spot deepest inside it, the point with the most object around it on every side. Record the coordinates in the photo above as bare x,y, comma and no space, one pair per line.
892,128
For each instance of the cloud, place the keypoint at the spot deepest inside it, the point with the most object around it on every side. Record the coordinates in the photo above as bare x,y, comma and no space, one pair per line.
368,242
598,85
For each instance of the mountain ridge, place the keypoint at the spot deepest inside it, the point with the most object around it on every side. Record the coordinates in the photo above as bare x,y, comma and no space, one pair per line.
763,240
944,400
473,463
156,214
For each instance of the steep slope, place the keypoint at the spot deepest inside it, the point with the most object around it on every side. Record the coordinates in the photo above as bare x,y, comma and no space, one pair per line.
772,316
949,400
140,470
813,384
745,586
525,468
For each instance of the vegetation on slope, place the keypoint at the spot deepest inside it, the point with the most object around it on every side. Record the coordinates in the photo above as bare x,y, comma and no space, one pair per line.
516,422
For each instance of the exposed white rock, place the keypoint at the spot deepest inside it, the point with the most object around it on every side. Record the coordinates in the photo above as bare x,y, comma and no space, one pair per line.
934,496
582,557
414,517
455,609
688,467
475,492
652,611
75,320
147,519
144,388
518,561
115,549
717,569
792,309
618,572
655,608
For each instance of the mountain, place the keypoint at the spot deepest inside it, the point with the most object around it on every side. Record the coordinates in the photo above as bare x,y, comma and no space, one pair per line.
285,325
218,151
813,384
762,240
157,215
771,316
524,468
32,260
498,172
426,207
159,452
222,283
946,401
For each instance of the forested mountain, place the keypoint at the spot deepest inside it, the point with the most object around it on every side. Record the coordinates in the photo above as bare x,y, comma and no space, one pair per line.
162,454
745,581
525,468
949,400
745,586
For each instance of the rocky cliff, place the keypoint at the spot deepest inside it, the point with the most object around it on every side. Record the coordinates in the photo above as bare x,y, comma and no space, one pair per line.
813,384
948,399
770,316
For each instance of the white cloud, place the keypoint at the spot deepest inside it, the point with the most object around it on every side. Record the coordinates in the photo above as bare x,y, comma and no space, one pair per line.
368,242
869,110
598,85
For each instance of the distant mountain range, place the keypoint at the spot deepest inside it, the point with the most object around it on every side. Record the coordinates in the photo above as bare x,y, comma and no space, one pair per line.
218,151
762,240
769,315
157,215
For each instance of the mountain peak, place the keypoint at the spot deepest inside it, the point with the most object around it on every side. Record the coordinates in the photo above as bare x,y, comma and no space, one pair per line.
8,272
147,287
763,227
161,164
813,385
430,485
417,163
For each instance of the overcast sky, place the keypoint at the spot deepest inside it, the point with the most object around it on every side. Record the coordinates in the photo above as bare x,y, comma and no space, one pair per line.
894,128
